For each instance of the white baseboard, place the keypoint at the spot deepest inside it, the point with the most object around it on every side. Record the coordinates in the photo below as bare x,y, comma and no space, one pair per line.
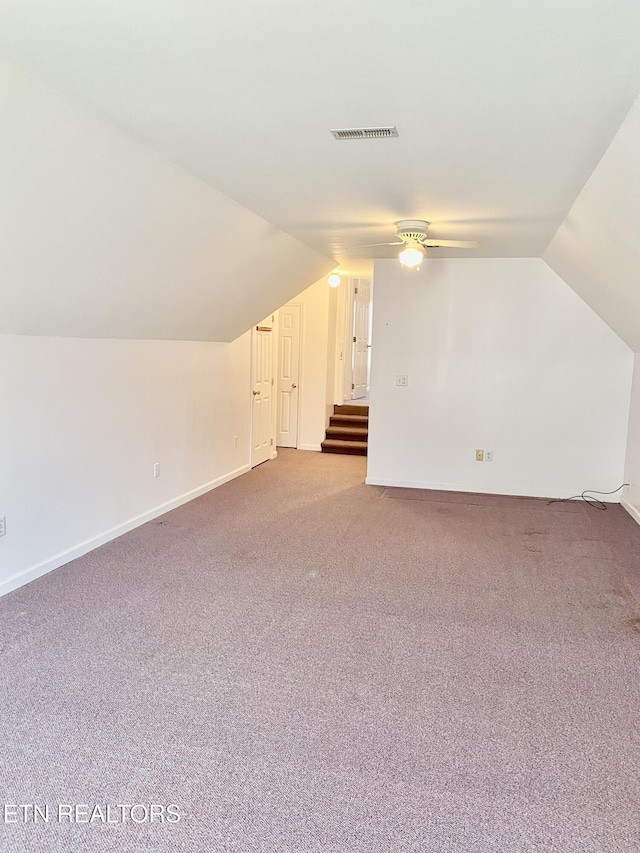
633,511
444,487
63,557
310,447
475,489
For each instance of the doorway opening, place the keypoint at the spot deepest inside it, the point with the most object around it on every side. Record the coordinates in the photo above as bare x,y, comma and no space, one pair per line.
309,356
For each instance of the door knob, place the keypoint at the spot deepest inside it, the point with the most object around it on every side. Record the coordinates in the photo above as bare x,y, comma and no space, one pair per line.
293,385
255,393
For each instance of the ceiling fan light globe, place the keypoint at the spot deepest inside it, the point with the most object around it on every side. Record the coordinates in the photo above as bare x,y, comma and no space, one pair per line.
411,257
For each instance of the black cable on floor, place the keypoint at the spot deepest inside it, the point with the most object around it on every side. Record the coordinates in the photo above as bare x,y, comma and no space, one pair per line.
586,496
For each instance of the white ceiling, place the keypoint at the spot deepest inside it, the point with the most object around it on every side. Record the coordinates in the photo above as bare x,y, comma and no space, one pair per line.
504,107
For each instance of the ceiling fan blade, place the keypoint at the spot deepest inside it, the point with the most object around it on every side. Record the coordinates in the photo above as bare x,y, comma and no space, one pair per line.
453,244
371,245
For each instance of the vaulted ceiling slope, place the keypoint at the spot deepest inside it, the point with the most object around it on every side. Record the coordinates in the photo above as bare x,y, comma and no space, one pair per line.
503,108
596,250
100,237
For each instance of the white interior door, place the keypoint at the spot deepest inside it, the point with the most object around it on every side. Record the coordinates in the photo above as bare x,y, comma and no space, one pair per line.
361,322
288,375
262,369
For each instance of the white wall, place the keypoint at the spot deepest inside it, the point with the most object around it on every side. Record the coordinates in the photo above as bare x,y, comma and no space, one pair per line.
82,423
501,354
103,244
596,249
631,495
312,413
100,237
597,252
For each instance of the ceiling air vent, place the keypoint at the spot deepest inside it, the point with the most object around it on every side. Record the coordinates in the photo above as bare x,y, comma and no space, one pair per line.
365,132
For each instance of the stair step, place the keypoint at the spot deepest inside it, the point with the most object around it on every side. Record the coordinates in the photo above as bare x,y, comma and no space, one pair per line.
347,433
351,410
353,448
349,420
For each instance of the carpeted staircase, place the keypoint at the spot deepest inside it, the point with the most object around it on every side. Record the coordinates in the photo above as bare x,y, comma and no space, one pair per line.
347,431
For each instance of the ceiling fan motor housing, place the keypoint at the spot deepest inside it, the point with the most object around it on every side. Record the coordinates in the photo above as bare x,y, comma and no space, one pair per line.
412,229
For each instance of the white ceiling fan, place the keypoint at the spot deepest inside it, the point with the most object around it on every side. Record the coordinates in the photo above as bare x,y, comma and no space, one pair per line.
413,235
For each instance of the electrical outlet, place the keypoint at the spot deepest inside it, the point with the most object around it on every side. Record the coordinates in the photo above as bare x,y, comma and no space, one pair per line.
3,525
402,381
156,469
235,440
488,456
479,455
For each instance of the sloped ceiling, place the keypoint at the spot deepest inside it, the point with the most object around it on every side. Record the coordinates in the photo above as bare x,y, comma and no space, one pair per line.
503,108
99,237
596,250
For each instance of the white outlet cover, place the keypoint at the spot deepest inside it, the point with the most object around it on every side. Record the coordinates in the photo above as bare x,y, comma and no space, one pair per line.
402,381
3,525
